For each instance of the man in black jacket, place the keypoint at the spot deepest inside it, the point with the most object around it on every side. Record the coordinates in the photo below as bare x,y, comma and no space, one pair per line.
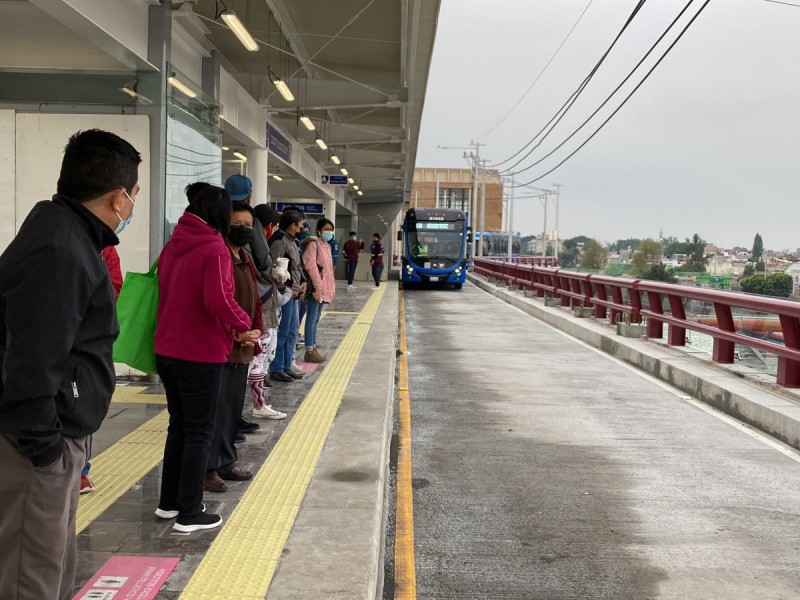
57,326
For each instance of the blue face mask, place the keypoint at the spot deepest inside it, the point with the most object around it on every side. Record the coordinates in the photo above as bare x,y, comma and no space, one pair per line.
327,236
123,223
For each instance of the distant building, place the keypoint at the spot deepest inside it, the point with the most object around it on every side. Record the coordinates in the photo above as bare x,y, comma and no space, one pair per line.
455,191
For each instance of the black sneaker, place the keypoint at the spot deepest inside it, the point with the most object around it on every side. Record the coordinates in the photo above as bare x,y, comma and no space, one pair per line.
171,513
246,426
197,522
280,376
239,439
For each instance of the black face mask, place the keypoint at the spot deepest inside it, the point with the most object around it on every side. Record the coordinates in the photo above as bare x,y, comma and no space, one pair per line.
240,236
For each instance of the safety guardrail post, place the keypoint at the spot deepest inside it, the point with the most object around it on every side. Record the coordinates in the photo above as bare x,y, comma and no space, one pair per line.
655,327
677,334
723,351
788,369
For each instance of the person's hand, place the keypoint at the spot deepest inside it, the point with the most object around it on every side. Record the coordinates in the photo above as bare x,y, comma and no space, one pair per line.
303,288
295,293
248,338
317,295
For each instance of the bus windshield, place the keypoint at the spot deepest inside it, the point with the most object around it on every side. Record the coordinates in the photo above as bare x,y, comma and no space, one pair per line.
443,240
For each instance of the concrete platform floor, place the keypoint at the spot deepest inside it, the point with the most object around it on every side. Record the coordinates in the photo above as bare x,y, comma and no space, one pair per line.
544,469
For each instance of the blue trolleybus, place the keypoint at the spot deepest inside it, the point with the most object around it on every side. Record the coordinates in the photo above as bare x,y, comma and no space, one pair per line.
435,246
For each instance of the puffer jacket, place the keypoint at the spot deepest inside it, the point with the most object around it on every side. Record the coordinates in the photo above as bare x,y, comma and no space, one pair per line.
318,265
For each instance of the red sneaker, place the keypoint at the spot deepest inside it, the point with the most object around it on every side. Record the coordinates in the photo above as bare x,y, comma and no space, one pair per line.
86,485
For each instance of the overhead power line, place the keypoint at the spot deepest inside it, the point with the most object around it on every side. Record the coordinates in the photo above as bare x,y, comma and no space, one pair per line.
784,3
611,95
628,97
539,76
574,96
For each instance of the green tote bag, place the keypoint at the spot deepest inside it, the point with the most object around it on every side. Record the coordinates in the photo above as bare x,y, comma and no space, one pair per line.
137,307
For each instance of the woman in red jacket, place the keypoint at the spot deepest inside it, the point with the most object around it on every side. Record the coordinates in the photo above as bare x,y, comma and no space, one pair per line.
198,323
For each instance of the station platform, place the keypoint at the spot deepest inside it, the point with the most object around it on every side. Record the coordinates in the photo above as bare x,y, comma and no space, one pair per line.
309,524
548,463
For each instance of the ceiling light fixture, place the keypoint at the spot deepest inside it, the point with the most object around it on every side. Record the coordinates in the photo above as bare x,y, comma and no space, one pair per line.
277,177
281,85
225,148
350,180
307,122
130,89
321,143
344,171
240,156
355,187
238,29
360,193
181,87
335,159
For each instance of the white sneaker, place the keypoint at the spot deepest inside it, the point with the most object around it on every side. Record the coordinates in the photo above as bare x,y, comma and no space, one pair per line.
350,288
267,412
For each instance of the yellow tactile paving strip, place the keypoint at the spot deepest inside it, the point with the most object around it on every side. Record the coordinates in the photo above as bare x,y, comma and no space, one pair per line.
115,470
132,394
242,560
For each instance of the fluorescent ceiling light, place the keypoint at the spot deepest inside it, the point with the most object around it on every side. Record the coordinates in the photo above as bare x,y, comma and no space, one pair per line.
307,122
277,177
181,87
225,148
321,143
135,95
283,89
355,187
344,171
239,30
240,156
360,193
350,180
335,159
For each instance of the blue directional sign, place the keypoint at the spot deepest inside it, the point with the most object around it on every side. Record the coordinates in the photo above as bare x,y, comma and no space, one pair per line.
306,208
334,180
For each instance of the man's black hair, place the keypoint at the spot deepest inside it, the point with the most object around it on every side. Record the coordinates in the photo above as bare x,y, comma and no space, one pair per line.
353,233
213,205
377,235
266,215
242,206
95,163
194,188
290,217
323,222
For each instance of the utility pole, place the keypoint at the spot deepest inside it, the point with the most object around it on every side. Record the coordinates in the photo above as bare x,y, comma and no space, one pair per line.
511,220
483,164
475,157
436,199
558,187
544,228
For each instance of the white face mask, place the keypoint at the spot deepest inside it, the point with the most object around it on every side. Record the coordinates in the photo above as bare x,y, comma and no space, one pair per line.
123,223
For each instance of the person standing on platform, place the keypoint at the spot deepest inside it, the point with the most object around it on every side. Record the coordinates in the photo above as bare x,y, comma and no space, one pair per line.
376,259
198,323
318,265
111,258
352,247
222,455
57,327
283,245
331,239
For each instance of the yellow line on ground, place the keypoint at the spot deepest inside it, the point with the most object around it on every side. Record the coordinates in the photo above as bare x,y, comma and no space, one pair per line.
242,560
405,574
115,470
132,394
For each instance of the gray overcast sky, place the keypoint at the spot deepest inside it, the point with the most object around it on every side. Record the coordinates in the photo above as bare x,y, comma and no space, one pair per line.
709,144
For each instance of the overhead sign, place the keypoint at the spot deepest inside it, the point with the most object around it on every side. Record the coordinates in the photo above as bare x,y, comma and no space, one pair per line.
334,180
308,209
278,144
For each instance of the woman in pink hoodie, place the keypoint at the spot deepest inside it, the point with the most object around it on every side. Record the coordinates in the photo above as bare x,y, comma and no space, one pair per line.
318,265
198,323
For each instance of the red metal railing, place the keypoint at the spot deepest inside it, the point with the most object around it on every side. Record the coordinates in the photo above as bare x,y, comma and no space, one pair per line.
611,297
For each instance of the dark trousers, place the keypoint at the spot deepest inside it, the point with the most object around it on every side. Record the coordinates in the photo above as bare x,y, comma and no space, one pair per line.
192,390
222,455
38,506
377,271
351,270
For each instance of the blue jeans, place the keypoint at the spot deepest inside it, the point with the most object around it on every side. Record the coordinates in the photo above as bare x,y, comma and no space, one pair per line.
351,271
313,313
287,338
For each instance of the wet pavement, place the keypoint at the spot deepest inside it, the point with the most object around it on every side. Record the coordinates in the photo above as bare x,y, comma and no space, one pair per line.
129,527
544,470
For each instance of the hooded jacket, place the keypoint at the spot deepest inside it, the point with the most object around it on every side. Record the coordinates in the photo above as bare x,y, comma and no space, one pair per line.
58,323
197,313
318,265
282,245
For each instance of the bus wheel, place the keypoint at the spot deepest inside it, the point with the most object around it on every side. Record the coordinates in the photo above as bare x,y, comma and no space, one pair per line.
458,285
